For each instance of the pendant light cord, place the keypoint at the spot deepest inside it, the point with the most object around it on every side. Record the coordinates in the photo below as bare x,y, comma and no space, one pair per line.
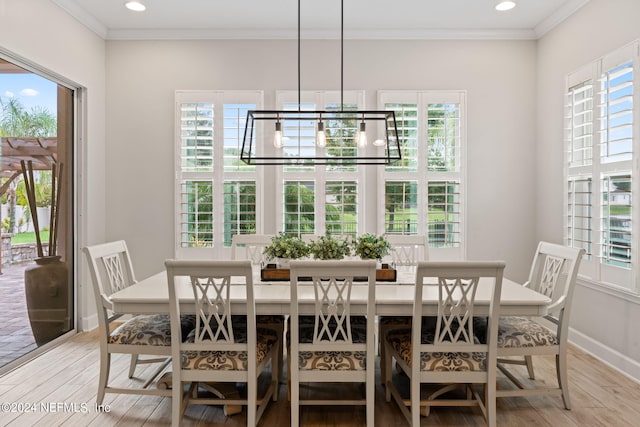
341,55
299,67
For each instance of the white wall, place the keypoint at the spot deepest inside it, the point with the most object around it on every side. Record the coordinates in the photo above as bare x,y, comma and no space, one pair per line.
603,323
44,34
499,77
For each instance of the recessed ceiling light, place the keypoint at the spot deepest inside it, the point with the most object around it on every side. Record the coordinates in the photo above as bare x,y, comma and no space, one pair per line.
505,5
136,6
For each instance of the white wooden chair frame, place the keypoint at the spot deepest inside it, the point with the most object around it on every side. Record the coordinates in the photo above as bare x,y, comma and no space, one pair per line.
211,282
457,282
254,245
553,273
112,270
332,282
407,250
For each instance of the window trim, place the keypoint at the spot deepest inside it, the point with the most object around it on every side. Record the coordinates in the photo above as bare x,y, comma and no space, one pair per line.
593,272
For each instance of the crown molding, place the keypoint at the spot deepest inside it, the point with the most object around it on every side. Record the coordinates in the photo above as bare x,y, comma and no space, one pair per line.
378,34
86,19
558,17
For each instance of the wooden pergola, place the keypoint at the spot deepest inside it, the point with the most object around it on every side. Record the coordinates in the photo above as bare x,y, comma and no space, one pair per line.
41,152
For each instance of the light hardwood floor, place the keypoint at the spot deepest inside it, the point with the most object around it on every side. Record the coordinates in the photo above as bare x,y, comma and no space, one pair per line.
59,389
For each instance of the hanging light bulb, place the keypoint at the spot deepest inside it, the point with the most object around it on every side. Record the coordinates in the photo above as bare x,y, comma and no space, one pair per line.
277,136
321,137
362,135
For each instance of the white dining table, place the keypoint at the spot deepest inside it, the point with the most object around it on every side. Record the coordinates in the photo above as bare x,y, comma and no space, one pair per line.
151,295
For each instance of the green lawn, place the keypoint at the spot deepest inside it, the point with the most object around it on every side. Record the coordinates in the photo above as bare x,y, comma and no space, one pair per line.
29,237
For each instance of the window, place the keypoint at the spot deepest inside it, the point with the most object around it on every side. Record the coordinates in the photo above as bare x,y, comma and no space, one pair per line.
217,193
322,198
600,179
218,196
423,192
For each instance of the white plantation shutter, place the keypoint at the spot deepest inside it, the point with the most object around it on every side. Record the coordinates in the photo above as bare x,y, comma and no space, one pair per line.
216,193
408,129
335,190
579,214
423,193
579,128
602,151
616,113
196,127
616,220
444,214
341,207
615,138
580,124
299,207
239,209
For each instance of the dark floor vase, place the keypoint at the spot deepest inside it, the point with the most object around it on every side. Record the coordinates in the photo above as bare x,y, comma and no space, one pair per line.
48,303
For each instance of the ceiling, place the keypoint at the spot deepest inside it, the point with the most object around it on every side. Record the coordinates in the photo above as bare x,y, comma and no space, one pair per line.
277,19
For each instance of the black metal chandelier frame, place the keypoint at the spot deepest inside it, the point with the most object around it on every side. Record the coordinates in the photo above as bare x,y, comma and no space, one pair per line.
390,141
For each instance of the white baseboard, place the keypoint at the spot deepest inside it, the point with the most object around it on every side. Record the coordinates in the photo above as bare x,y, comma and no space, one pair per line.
608,356
89,323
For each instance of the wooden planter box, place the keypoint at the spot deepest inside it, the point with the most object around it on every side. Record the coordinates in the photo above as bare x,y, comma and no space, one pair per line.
272,273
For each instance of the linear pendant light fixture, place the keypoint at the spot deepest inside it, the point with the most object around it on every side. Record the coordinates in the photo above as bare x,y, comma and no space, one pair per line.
321,137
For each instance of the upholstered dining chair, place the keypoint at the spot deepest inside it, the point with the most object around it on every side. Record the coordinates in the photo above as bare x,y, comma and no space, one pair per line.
407,250
553,273
448,351
112,270
226,345
329,341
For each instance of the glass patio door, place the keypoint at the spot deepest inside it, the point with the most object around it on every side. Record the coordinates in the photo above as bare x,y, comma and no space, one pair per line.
36,214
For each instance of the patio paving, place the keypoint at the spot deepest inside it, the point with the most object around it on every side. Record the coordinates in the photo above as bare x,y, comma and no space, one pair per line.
16,338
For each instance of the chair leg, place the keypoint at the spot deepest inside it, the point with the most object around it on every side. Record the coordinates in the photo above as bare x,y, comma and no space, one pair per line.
252,394
276,373
415,401
288,375
105,367
132,365
295,403
383,358
490,403
370,391
387,374
177,392
529,362
563,381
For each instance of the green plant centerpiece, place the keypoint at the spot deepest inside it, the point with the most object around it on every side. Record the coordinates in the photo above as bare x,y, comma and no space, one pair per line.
327,247
370,246
286,246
